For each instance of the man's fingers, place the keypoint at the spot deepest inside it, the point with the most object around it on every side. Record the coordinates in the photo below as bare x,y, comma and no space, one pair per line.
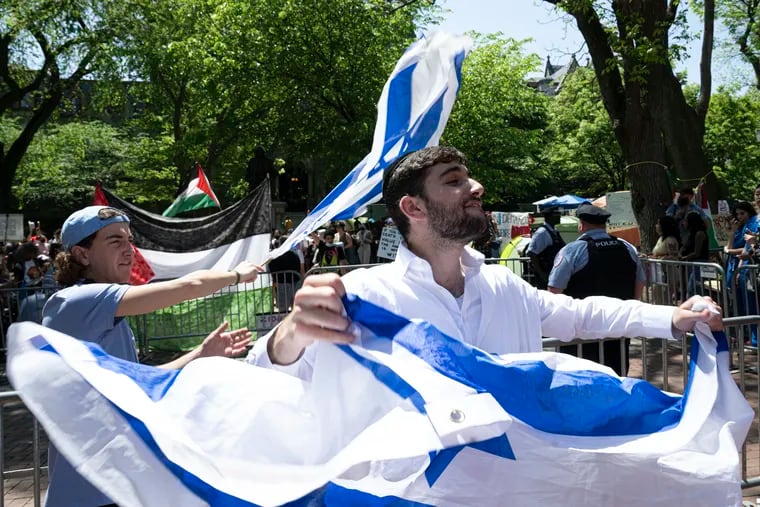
318,297
320,318
316,332
220,329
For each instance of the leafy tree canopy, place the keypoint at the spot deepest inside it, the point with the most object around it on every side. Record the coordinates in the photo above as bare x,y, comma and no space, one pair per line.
498,121
582,146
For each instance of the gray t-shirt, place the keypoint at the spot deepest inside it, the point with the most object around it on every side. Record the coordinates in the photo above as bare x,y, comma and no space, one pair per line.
87,312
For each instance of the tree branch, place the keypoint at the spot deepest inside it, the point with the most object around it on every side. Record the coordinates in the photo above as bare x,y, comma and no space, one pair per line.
705,64
743,41
603,60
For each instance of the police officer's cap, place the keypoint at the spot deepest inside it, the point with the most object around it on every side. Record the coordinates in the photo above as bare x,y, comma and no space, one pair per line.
592,214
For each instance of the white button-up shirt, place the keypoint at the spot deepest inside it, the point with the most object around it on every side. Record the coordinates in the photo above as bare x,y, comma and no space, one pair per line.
500,312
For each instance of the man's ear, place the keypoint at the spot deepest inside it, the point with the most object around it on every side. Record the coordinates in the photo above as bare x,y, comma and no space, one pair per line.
81,255
413,207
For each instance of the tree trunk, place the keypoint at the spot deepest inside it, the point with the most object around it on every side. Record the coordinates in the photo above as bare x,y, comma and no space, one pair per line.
12,158
643,150
683,131
651,120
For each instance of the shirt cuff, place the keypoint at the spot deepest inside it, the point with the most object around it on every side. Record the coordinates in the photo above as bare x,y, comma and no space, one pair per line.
657,322
259,356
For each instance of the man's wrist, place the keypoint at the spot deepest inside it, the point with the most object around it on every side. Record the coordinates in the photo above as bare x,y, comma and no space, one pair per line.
237,276
275,344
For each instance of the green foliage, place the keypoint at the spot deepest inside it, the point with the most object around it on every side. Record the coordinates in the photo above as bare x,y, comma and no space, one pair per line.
147,179
46,49
498,121
9,129
329,63
637,36
298,78
67,159
730,140
214,79
65,162
740,17
582,149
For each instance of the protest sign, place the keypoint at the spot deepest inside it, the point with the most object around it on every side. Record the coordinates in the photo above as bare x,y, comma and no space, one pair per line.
389,242
12,227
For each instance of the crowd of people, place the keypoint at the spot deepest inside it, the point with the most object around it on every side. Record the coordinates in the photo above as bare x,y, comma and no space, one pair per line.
28,267
682,237
29,263
352,242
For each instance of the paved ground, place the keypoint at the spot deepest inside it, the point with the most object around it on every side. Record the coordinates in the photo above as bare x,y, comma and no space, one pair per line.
18,448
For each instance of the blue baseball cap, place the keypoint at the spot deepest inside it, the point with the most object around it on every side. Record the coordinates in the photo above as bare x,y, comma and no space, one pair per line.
88,221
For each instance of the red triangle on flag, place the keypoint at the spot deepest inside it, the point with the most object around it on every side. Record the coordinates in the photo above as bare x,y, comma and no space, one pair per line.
141,273
100,197
205,186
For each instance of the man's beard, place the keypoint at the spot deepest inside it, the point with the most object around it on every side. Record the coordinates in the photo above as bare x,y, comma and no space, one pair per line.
456,224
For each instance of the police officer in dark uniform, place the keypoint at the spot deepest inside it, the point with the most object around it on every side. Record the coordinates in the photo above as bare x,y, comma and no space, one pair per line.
597,264
543,247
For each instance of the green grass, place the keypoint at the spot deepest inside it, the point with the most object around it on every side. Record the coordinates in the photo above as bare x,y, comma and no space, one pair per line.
185,325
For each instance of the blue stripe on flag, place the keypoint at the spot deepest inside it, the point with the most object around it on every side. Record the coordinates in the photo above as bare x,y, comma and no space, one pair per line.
458,61
192,482
353,209
429,74
583,403
389,378
155,382
428,122
400,97
340,496
498,446
340,188
694,351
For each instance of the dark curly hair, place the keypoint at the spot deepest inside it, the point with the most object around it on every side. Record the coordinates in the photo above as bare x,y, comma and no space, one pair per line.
68,270
406,176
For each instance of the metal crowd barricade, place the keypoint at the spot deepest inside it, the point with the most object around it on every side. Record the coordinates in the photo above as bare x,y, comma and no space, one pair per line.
743,298
673,282
11,400
341,270
17,304
258,305
521,266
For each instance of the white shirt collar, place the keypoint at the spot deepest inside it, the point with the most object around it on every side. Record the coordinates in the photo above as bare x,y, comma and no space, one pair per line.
407,261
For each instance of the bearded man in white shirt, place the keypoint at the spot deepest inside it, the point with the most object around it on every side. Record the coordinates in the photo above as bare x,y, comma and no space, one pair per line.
436,205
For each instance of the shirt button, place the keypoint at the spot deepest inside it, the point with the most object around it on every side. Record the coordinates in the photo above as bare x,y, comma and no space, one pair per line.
457,416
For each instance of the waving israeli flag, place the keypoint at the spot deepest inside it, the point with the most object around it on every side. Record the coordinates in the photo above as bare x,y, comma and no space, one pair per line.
412,113
406,416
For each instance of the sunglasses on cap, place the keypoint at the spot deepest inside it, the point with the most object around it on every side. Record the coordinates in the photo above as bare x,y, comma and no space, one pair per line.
106,213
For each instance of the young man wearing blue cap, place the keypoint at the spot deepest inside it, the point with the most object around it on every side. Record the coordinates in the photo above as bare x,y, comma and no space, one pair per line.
94,268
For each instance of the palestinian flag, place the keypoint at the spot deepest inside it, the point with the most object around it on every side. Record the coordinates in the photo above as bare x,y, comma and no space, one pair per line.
197,195
174,247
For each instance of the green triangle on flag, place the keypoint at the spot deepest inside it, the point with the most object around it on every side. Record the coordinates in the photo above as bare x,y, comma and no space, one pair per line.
197,195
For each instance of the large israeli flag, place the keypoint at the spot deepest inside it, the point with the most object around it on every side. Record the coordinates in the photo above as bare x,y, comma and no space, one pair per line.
406,416
411,114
